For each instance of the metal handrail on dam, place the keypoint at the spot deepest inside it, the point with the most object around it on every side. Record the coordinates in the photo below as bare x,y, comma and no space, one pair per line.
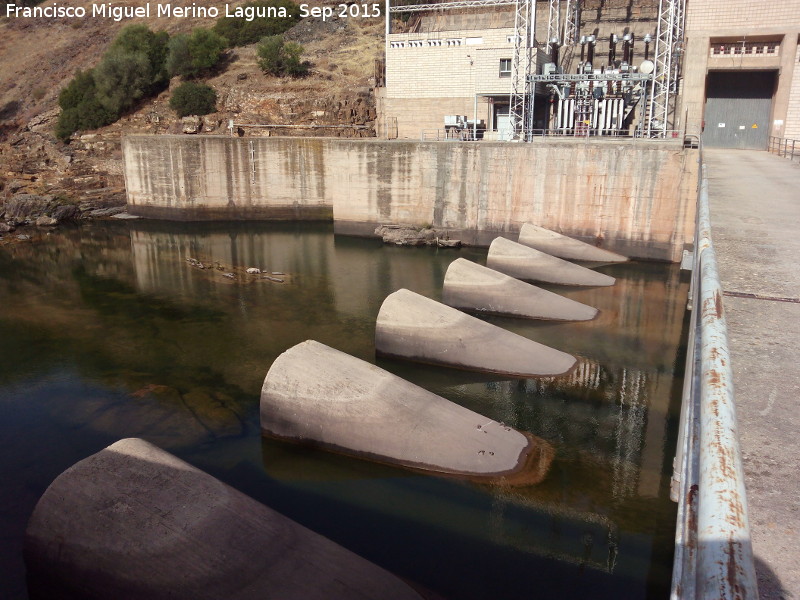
713,552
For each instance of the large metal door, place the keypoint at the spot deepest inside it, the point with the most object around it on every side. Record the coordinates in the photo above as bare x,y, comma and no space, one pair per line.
502,121
738,107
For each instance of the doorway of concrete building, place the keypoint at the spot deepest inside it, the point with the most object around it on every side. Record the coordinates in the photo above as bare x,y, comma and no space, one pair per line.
738,109
502,122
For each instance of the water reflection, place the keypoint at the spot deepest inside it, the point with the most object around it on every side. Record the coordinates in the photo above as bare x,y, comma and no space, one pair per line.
108,332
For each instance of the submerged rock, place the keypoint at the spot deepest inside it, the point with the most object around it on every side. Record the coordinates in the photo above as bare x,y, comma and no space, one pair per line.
159,414
404,235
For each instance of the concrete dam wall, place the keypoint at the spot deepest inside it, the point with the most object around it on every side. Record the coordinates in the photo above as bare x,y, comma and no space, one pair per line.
633,197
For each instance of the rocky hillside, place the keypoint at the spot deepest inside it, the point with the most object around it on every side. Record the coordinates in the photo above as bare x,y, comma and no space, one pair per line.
39,56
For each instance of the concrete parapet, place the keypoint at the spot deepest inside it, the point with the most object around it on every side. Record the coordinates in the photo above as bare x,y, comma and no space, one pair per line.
470,286
524,262
321,396
134,522
417,328
639,197
555,244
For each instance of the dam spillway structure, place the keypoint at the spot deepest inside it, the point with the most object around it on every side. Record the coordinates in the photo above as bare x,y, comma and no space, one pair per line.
136,523
523,262
413,327
562,246
473,287
316,395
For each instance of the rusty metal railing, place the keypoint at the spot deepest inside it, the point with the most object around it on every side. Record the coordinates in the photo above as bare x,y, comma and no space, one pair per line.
713,554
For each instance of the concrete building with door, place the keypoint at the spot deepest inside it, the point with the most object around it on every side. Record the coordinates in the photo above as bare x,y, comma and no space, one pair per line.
448,64
742,71
445,62
737,77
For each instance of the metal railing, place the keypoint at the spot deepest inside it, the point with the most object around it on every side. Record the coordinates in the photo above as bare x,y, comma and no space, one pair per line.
463,135
713,553
451,134
784,147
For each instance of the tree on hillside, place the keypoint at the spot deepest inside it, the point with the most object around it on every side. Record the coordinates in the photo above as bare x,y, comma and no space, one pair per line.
133,68
240,32
122,79
192,98
280,58
194,54
135,39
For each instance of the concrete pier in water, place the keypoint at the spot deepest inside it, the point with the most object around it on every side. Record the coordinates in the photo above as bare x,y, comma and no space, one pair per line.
556,244
133,522
417,328
317,395
527,263
470,286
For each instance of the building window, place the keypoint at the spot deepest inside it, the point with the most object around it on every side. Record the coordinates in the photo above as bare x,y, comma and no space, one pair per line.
505,67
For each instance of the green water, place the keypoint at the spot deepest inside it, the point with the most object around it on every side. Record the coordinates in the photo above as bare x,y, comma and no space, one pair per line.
107,332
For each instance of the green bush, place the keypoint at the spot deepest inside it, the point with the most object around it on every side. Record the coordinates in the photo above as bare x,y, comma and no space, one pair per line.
280,58
80,88
89,114
68,123
240,32
80,108
134,67
191,98
192,55
135,39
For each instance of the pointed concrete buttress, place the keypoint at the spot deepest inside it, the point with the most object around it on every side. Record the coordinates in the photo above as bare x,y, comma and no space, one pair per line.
470,286
133,522
417,328
320,396
527,263
556,244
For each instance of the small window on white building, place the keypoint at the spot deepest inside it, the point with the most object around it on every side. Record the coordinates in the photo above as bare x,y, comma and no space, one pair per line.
505,67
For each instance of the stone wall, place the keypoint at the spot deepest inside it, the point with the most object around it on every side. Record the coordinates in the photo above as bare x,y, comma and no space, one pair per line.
636,198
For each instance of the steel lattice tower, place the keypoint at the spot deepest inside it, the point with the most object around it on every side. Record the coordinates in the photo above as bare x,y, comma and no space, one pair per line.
668,54
521,86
